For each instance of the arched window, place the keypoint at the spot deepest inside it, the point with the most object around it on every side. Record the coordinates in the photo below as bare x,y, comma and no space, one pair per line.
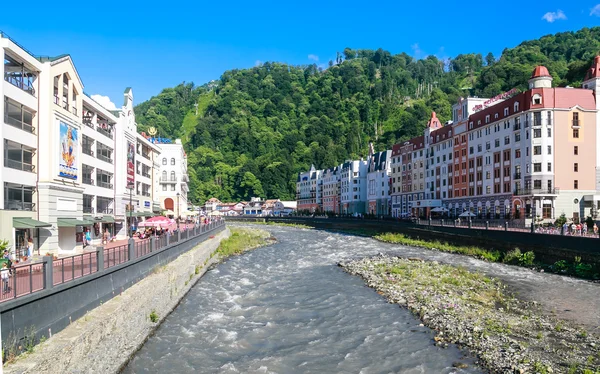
173,175
173,161
164,174
164,160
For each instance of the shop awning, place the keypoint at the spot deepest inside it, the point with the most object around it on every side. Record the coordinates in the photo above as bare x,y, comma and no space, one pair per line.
108,219
72,222
28,223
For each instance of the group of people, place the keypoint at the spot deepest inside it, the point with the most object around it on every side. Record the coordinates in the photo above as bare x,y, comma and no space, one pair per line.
151,231
579,229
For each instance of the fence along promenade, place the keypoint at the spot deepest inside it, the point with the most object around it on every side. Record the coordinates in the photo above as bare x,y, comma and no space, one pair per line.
30,278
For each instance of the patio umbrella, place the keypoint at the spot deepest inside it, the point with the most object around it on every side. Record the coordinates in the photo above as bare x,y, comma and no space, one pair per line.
155,222
467,214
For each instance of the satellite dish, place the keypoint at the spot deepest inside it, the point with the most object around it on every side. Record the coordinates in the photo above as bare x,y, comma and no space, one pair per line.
152,131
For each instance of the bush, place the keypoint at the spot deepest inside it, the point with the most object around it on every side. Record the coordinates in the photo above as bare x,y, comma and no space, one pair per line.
527,259
561,220
560,266
512,257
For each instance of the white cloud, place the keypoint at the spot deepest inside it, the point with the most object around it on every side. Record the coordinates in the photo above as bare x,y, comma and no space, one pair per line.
595,11
313,57
104,101
553,16
417,51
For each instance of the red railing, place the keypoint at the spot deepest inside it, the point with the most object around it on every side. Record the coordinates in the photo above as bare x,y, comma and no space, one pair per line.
22,280
143,247
68,268
115,256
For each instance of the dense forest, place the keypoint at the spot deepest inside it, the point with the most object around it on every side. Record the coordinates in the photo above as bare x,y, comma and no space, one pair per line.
250,132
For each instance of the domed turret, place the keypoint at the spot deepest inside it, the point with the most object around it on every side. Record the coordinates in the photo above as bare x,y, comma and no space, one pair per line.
540,78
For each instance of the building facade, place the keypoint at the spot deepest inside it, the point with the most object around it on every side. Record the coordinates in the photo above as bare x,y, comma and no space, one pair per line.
173,176
379,170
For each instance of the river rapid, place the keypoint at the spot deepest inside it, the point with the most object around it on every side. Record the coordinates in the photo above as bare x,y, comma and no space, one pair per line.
288,308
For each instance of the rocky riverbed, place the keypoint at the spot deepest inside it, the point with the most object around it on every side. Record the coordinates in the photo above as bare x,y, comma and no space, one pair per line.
479,313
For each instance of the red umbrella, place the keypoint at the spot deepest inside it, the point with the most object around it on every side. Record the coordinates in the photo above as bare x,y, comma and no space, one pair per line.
155,221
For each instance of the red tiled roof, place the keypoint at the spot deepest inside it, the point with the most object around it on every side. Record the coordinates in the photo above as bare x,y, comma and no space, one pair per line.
418,142
594,70
396,149
444,134
540,71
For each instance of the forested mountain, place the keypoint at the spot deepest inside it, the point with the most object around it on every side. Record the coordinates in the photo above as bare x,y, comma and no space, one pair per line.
254,129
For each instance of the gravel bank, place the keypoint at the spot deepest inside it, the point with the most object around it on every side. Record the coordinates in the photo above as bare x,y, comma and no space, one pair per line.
479,313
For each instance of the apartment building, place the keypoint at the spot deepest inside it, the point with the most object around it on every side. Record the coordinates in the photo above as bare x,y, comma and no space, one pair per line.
353,187
330,184
379,170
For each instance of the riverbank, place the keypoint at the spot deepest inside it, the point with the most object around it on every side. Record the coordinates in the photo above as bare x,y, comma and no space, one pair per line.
105,338
479,313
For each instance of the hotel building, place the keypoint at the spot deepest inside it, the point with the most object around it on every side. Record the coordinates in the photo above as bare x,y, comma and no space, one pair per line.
353,187
378,182
331,203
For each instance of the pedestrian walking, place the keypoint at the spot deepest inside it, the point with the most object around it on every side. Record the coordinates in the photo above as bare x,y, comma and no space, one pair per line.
29,247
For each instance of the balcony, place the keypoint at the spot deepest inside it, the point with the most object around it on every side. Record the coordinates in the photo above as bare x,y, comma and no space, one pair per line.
16,74
104,132
19,205
517,176
145,174
104,184
88,151
146,156
87,180
536,191
18,165
104,158
146,193
88,210
105,210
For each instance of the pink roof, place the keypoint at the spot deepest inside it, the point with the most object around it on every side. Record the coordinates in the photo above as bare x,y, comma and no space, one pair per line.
594,70
540,71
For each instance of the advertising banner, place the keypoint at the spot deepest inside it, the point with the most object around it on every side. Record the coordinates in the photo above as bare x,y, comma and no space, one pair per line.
130,165
67,165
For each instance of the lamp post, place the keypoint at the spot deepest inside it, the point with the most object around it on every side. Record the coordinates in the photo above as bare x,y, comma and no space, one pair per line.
177,211
130,220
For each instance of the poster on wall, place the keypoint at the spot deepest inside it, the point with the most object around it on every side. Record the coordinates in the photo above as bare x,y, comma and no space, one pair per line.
67,166
130,165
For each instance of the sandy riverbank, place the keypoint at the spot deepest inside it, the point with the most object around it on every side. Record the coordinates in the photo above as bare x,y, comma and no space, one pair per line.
478,313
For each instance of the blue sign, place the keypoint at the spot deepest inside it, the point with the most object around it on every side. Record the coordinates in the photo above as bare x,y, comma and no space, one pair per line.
146,204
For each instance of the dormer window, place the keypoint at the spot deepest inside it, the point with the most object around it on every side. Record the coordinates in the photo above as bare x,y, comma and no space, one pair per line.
505,112
496,116
516,107
487,119
478,122
537,99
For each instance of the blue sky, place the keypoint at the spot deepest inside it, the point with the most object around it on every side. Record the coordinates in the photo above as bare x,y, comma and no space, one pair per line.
150,47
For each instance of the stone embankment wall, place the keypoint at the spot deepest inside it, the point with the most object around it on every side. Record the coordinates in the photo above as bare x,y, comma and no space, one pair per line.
103,340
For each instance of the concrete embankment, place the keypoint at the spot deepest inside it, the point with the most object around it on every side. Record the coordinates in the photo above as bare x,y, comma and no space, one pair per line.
507,334
105,338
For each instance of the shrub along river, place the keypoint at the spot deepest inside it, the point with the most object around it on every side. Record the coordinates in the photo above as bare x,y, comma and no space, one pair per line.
289,308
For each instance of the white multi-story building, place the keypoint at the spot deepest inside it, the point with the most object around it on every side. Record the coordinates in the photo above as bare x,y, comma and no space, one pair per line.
98,166
379,170
353,186
330,190
173,176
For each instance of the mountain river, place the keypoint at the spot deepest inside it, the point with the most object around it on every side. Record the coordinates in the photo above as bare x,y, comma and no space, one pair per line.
288,308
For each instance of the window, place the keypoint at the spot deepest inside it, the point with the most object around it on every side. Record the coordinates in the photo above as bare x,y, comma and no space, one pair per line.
164,175
164,161
173,176
506,140
547,211
172,187
173,161
497,143
549,149
18,115
549,132
537,167
576,167
549,166
575,119
575,150
537,150
487,146
164,187
575,184
517,137
576,133
516,107
537,133
537,184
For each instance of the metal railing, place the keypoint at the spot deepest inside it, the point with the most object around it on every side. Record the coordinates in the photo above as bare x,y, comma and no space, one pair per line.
18,205
69,268
104,184
115,256
88,151
146,156
23,280
19,82
143,247
18,165
87,180
102,157
88,209
536,191
104,132
105,210
19,124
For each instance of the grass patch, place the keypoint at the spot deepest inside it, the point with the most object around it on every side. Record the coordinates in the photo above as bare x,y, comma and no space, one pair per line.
240,241
153,316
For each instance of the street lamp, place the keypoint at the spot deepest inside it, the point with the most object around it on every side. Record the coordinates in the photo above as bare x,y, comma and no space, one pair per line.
130,220
177,211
